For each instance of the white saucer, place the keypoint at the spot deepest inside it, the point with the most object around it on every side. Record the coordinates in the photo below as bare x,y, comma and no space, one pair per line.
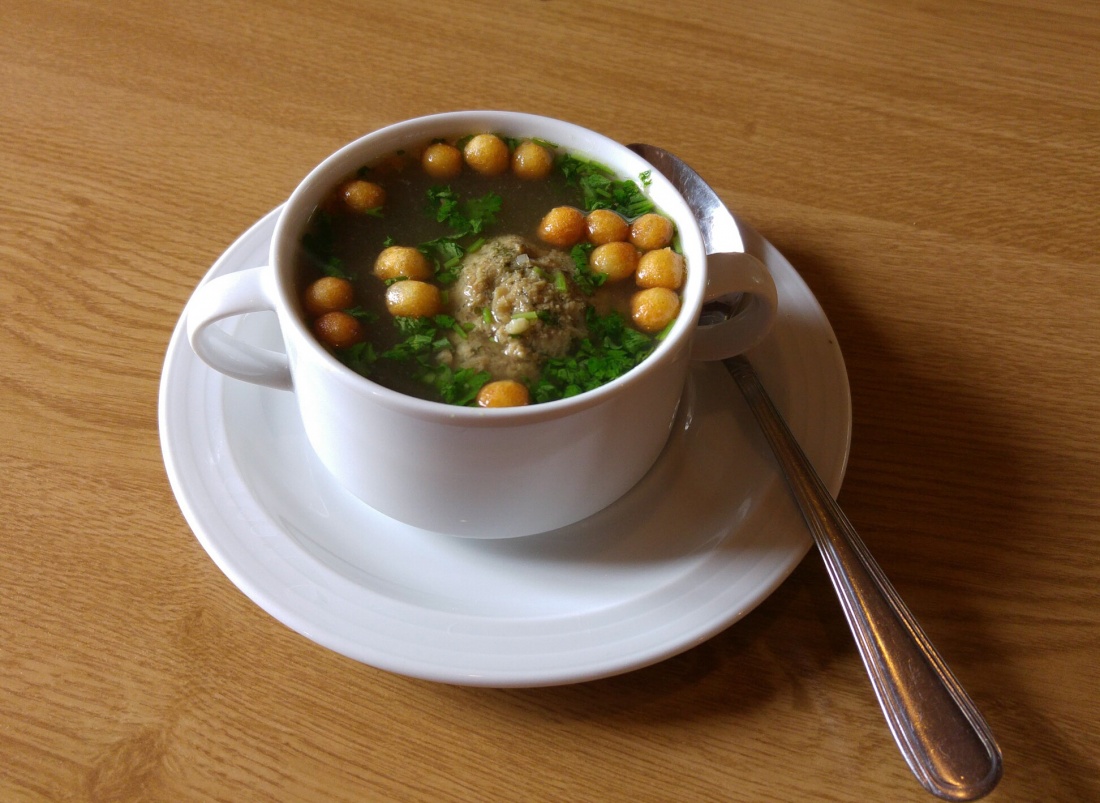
705,537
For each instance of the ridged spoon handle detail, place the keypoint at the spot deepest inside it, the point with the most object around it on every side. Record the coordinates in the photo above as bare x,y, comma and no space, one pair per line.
944,739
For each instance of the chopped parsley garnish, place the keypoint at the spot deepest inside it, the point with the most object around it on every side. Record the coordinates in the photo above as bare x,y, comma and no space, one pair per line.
423,339
464,217
413,347
359,358
559,280
583,276
446,253
482,212
427,351
321,237
456,387
364,315
319,243
602,190
334,267
418,333
611,349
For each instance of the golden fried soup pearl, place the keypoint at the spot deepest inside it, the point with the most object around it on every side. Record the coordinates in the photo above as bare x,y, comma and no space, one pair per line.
338,329
487,154
441,160
362,196
616,261
660,268
532,161
503,393
413,299
651,231
606,226
563,227
402,261
654,308
328,294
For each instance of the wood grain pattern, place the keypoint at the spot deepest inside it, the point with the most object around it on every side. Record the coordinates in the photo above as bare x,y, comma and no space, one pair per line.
932,170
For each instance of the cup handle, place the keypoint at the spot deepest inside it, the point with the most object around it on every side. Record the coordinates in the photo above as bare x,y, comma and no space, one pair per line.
730,275
224,297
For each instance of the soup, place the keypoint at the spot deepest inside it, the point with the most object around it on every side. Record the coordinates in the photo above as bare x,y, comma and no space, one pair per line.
489,271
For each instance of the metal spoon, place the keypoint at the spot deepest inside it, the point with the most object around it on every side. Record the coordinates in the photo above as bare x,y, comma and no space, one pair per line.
944,739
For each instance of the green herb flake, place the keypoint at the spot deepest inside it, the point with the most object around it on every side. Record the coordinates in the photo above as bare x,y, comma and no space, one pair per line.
364,315
583,276
442,203
359,358
464,217
560,281
600,188
459,387
418,338
443,321
611,349
446,253
334,266
319,243
483,211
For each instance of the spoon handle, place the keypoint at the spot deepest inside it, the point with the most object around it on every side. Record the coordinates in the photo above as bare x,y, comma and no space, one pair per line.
943,738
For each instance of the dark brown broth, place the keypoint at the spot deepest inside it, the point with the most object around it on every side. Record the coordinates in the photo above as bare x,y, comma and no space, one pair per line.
408,220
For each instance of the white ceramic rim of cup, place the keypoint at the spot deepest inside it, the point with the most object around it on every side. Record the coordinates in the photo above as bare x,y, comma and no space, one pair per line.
415,131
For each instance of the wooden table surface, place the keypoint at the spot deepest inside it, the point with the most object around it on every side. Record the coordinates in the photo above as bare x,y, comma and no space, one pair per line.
931,169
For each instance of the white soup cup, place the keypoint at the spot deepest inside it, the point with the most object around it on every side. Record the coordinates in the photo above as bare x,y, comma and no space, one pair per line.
484,473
